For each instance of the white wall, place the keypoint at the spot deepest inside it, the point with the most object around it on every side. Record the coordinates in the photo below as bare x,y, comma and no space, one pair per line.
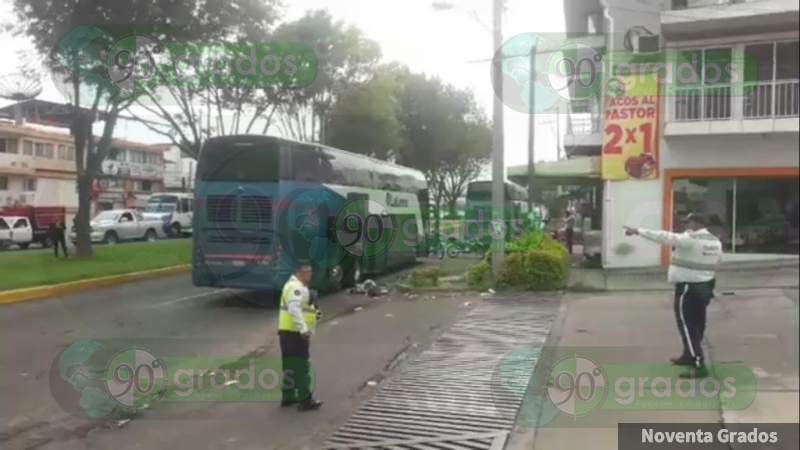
56,192
746,150
637,204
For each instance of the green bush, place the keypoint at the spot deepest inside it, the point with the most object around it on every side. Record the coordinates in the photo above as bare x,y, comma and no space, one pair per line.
535,261
537,270
479,276
425,277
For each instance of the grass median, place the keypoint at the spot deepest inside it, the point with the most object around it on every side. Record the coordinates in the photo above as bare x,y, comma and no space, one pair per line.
32,268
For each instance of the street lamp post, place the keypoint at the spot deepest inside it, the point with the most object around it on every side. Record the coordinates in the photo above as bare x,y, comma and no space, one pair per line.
531,128
498,169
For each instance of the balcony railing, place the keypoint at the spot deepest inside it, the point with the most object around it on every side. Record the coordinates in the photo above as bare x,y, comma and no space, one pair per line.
759,100
767,99
583,124
687,4
583,118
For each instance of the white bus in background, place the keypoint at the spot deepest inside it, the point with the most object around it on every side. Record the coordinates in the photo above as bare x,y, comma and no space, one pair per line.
174,210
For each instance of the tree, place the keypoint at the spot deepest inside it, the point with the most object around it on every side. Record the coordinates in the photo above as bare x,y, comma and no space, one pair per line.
447,136
474,142
78,34
364,118
190,113
344,57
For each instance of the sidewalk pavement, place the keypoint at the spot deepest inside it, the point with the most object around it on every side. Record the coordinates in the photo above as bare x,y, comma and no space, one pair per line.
756,327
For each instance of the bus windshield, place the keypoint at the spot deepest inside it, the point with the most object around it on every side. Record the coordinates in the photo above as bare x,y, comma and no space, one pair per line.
161,204
480,191
240,161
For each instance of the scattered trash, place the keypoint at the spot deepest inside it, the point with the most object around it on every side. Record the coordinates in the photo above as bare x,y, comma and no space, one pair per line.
388,315
369,287
24,374
228,383
466,304
485,294
358,308
372,383
491,291
121,423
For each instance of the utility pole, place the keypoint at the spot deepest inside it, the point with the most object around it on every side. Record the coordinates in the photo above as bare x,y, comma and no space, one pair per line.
531,127
498,169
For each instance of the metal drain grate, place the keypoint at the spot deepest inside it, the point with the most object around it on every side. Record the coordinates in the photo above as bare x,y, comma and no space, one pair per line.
462,393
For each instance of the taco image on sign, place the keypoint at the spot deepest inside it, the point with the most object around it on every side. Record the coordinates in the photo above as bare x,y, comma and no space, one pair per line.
642,166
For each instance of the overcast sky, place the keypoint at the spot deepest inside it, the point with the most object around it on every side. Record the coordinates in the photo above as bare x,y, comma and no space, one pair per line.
454,45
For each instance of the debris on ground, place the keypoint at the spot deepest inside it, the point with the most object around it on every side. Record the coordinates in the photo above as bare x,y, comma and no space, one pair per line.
358,308
388,315
372,383
369,287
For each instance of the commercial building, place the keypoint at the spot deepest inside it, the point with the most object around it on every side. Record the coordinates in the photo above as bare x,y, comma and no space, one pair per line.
725,144
37,168
130,174
179,169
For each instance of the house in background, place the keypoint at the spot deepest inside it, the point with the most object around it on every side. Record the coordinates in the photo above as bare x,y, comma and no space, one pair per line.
179,169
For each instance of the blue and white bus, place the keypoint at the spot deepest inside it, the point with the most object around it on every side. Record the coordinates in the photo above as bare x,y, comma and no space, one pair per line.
263,204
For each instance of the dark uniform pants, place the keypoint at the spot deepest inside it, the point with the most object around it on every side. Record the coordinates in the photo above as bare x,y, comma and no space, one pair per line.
295,356
691,301
59,239
570,237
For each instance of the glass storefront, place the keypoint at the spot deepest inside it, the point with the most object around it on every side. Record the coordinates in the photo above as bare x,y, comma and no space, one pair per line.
749,215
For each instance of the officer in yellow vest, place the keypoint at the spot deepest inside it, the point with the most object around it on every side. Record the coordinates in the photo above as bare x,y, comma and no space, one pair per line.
695,257
296,322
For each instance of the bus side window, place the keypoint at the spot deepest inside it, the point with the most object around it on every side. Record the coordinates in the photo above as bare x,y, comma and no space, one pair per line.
185,205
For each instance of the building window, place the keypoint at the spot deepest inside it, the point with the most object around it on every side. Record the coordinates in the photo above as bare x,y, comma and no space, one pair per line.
8,146
705,93
30,184
27,147
749,215
44,150
3,183
771,85
147,186
66,152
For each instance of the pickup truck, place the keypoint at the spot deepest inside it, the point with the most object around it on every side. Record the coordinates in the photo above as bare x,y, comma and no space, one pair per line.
117,225
29,224
15,230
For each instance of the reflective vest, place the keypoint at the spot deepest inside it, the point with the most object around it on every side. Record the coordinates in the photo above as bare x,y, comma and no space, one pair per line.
310,312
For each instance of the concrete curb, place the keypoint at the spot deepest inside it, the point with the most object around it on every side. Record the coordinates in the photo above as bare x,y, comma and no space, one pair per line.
42,292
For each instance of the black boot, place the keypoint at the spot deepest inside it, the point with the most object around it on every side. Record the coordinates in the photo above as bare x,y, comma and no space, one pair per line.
310,404
682,361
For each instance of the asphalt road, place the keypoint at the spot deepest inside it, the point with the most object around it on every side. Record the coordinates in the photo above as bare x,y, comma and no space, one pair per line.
359,341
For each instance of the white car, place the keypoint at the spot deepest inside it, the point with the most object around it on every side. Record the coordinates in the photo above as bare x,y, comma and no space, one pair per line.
15,231
118,225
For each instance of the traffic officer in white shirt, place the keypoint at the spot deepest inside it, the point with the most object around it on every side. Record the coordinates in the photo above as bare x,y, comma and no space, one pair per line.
695,257
296,321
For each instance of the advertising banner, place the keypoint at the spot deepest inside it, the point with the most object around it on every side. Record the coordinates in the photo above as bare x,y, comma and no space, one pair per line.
631,119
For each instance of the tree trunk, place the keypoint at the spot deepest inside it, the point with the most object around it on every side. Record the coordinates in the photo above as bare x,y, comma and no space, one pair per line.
82,219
